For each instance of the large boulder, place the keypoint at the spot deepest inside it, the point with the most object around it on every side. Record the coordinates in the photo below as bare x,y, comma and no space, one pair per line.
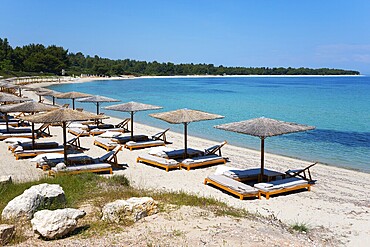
52,224
132,209
6,233
26,204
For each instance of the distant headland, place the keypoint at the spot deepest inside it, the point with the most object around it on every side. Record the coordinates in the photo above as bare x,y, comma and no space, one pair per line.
36,59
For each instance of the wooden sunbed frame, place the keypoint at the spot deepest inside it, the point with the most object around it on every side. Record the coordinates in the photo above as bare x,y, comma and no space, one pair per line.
59,173
44,130
43,146
113,160
215,149
106,147
123,125
85,133
302,173
76,143
267,194
144,145
205,163
34,154
25,135
167,167
241,196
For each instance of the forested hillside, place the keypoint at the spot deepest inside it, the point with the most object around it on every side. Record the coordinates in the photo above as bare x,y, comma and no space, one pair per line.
35,59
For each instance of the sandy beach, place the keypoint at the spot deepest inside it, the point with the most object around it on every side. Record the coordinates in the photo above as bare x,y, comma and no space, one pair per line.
338,203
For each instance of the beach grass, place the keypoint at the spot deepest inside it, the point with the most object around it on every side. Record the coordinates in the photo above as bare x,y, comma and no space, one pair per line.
97,191
300,227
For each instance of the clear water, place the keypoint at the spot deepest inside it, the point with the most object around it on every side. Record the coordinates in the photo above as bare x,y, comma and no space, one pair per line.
339,107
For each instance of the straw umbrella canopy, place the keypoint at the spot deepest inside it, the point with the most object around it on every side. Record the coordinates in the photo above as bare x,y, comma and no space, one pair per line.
72,95
47,92
29,107
4,98
62,115
185,116
263,128
132,107
13,86
97,99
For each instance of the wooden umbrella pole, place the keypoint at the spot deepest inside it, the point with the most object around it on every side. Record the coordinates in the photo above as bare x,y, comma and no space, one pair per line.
97,108
132,126
262,157
73,104
186,139
33,135
64,125
7,122
53,100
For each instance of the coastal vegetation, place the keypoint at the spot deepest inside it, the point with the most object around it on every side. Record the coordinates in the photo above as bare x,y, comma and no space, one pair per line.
93,189
36,59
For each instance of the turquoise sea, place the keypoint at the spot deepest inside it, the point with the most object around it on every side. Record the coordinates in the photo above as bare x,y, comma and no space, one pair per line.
339,107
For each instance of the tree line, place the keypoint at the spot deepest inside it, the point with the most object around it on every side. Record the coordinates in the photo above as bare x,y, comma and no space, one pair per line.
35,59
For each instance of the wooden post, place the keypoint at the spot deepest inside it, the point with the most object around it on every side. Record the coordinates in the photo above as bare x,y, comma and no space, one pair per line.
7,122
132,126
186,139
33,135
97,108
53,100
262,157
73,104
64,125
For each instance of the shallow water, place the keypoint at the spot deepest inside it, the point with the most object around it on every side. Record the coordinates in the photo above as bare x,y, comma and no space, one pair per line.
339,107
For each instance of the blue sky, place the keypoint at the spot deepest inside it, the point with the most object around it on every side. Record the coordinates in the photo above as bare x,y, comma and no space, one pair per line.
274,33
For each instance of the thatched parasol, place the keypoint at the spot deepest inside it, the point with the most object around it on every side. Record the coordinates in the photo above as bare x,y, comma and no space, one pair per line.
62,115
132,107
47,92
72,95
13,86
97,99
185,116
29,107
262,128
5,97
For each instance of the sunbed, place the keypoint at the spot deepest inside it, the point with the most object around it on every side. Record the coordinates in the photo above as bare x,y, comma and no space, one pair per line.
21,135
47,160
105,143
76,143
282,186
78,132
99,131
201,161
28,145
177,153
122,139
80,159
35,152
158,161
232,186
12,129
76,169
251,174
301,173
158,139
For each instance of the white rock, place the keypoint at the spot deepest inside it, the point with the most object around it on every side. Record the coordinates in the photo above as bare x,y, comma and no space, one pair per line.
132,209
6,233
53,224
61,166
5,179
25,205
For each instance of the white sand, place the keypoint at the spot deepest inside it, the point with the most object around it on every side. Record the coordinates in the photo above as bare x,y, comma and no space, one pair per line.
338,202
